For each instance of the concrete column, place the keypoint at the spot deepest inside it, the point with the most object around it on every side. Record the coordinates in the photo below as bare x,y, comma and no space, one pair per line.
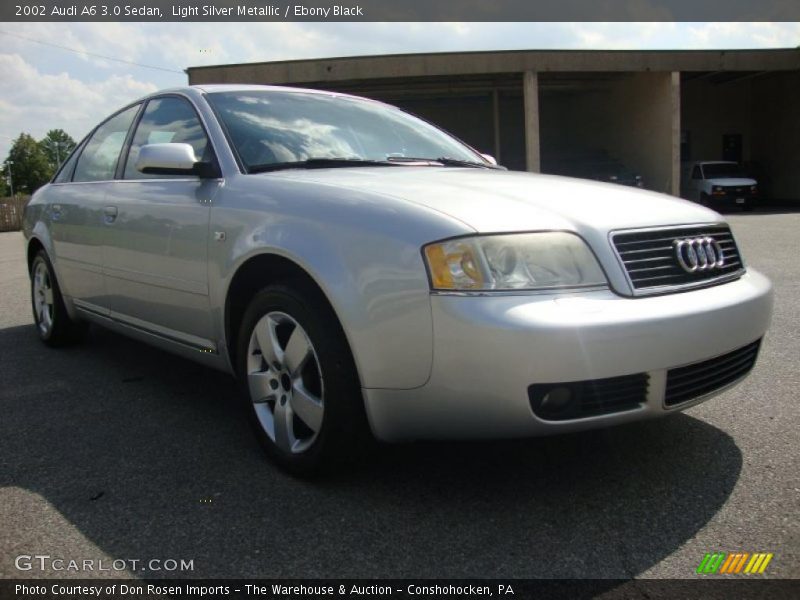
530,89
642,128
675,91
496,118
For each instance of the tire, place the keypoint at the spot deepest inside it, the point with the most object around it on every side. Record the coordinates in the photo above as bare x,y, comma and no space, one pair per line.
300,381
705,200
53,323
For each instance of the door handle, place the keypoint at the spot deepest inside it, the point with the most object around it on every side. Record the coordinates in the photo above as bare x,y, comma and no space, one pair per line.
110,213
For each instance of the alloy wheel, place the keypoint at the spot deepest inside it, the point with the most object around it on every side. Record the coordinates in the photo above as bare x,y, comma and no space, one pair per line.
285,382
43,298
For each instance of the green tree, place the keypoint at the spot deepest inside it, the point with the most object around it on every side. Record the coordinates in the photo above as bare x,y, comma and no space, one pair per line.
57,145
4,192
30,169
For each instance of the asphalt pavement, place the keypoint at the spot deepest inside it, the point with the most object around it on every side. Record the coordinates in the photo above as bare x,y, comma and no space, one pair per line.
115,450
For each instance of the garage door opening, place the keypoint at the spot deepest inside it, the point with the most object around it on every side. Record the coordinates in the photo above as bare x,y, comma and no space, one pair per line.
749,117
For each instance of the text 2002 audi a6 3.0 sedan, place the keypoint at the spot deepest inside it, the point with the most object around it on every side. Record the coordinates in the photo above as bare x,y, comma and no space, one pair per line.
359,269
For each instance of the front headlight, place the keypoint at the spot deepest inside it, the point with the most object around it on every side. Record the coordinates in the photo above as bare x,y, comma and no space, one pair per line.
519,261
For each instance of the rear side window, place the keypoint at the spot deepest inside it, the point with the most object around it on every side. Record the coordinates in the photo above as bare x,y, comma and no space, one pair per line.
98,161
65,174
167,120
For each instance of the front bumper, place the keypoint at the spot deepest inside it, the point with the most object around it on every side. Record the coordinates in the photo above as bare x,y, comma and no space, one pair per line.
488,351
731,198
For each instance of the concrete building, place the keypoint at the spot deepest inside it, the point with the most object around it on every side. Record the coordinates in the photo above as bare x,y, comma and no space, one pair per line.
549,110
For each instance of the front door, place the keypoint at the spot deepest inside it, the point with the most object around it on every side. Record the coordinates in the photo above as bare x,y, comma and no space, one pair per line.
76,211
156,254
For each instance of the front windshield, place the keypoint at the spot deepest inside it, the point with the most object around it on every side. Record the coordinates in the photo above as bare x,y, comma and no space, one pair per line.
274,127
721,170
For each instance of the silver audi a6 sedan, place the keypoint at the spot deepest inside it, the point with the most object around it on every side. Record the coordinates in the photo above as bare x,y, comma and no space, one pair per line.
358,269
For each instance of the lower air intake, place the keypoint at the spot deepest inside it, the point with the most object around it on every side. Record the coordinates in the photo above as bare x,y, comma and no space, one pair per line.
698,379
591,398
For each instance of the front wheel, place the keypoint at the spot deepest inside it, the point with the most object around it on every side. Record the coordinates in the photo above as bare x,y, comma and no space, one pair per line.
53,323
304,398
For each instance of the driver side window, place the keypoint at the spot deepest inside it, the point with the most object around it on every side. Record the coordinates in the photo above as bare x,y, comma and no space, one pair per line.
167,120
697,173
98,159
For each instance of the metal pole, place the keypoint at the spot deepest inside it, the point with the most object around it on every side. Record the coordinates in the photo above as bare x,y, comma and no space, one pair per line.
10,177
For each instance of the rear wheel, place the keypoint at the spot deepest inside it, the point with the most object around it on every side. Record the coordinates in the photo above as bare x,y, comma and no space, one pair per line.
53,323
304,398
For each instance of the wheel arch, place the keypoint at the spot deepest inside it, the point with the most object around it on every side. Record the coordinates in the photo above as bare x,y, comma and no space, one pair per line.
38,236
35,245
255,273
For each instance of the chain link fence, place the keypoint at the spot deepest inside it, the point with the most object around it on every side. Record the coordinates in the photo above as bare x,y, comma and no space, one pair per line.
11,212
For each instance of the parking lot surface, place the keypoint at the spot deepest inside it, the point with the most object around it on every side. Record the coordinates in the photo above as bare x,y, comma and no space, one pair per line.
115,450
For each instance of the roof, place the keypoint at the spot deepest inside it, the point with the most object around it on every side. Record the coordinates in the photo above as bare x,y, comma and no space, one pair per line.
243,87
507,61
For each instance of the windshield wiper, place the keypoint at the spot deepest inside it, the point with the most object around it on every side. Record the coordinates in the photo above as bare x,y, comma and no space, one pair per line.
319,163
445,161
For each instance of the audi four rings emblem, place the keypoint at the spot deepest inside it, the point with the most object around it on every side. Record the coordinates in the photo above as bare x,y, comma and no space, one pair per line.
699,254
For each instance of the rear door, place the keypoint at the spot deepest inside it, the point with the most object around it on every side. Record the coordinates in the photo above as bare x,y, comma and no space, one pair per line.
76,209
156,252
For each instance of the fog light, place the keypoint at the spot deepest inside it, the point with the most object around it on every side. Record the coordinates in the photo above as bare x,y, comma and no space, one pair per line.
556,400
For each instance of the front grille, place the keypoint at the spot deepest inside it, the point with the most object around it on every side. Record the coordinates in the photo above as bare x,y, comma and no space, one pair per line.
578,399
729,192
652,266
699,379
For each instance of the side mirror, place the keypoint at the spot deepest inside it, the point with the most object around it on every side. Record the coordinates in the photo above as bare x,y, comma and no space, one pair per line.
172,159
490,159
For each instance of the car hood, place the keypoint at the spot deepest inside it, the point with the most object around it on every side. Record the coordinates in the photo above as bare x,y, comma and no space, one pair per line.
732,181
501,201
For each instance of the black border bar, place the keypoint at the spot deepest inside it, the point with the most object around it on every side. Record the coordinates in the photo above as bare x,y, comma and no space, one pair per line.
398,10
703,587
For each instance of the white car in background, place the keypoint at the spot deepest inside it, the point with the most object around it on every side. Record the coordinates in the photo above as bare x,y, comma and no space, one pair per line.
719,184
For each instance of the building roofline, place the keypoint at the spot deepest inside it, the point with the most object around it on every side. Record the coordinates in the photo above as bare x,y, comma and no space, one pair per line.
487,53
334,72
